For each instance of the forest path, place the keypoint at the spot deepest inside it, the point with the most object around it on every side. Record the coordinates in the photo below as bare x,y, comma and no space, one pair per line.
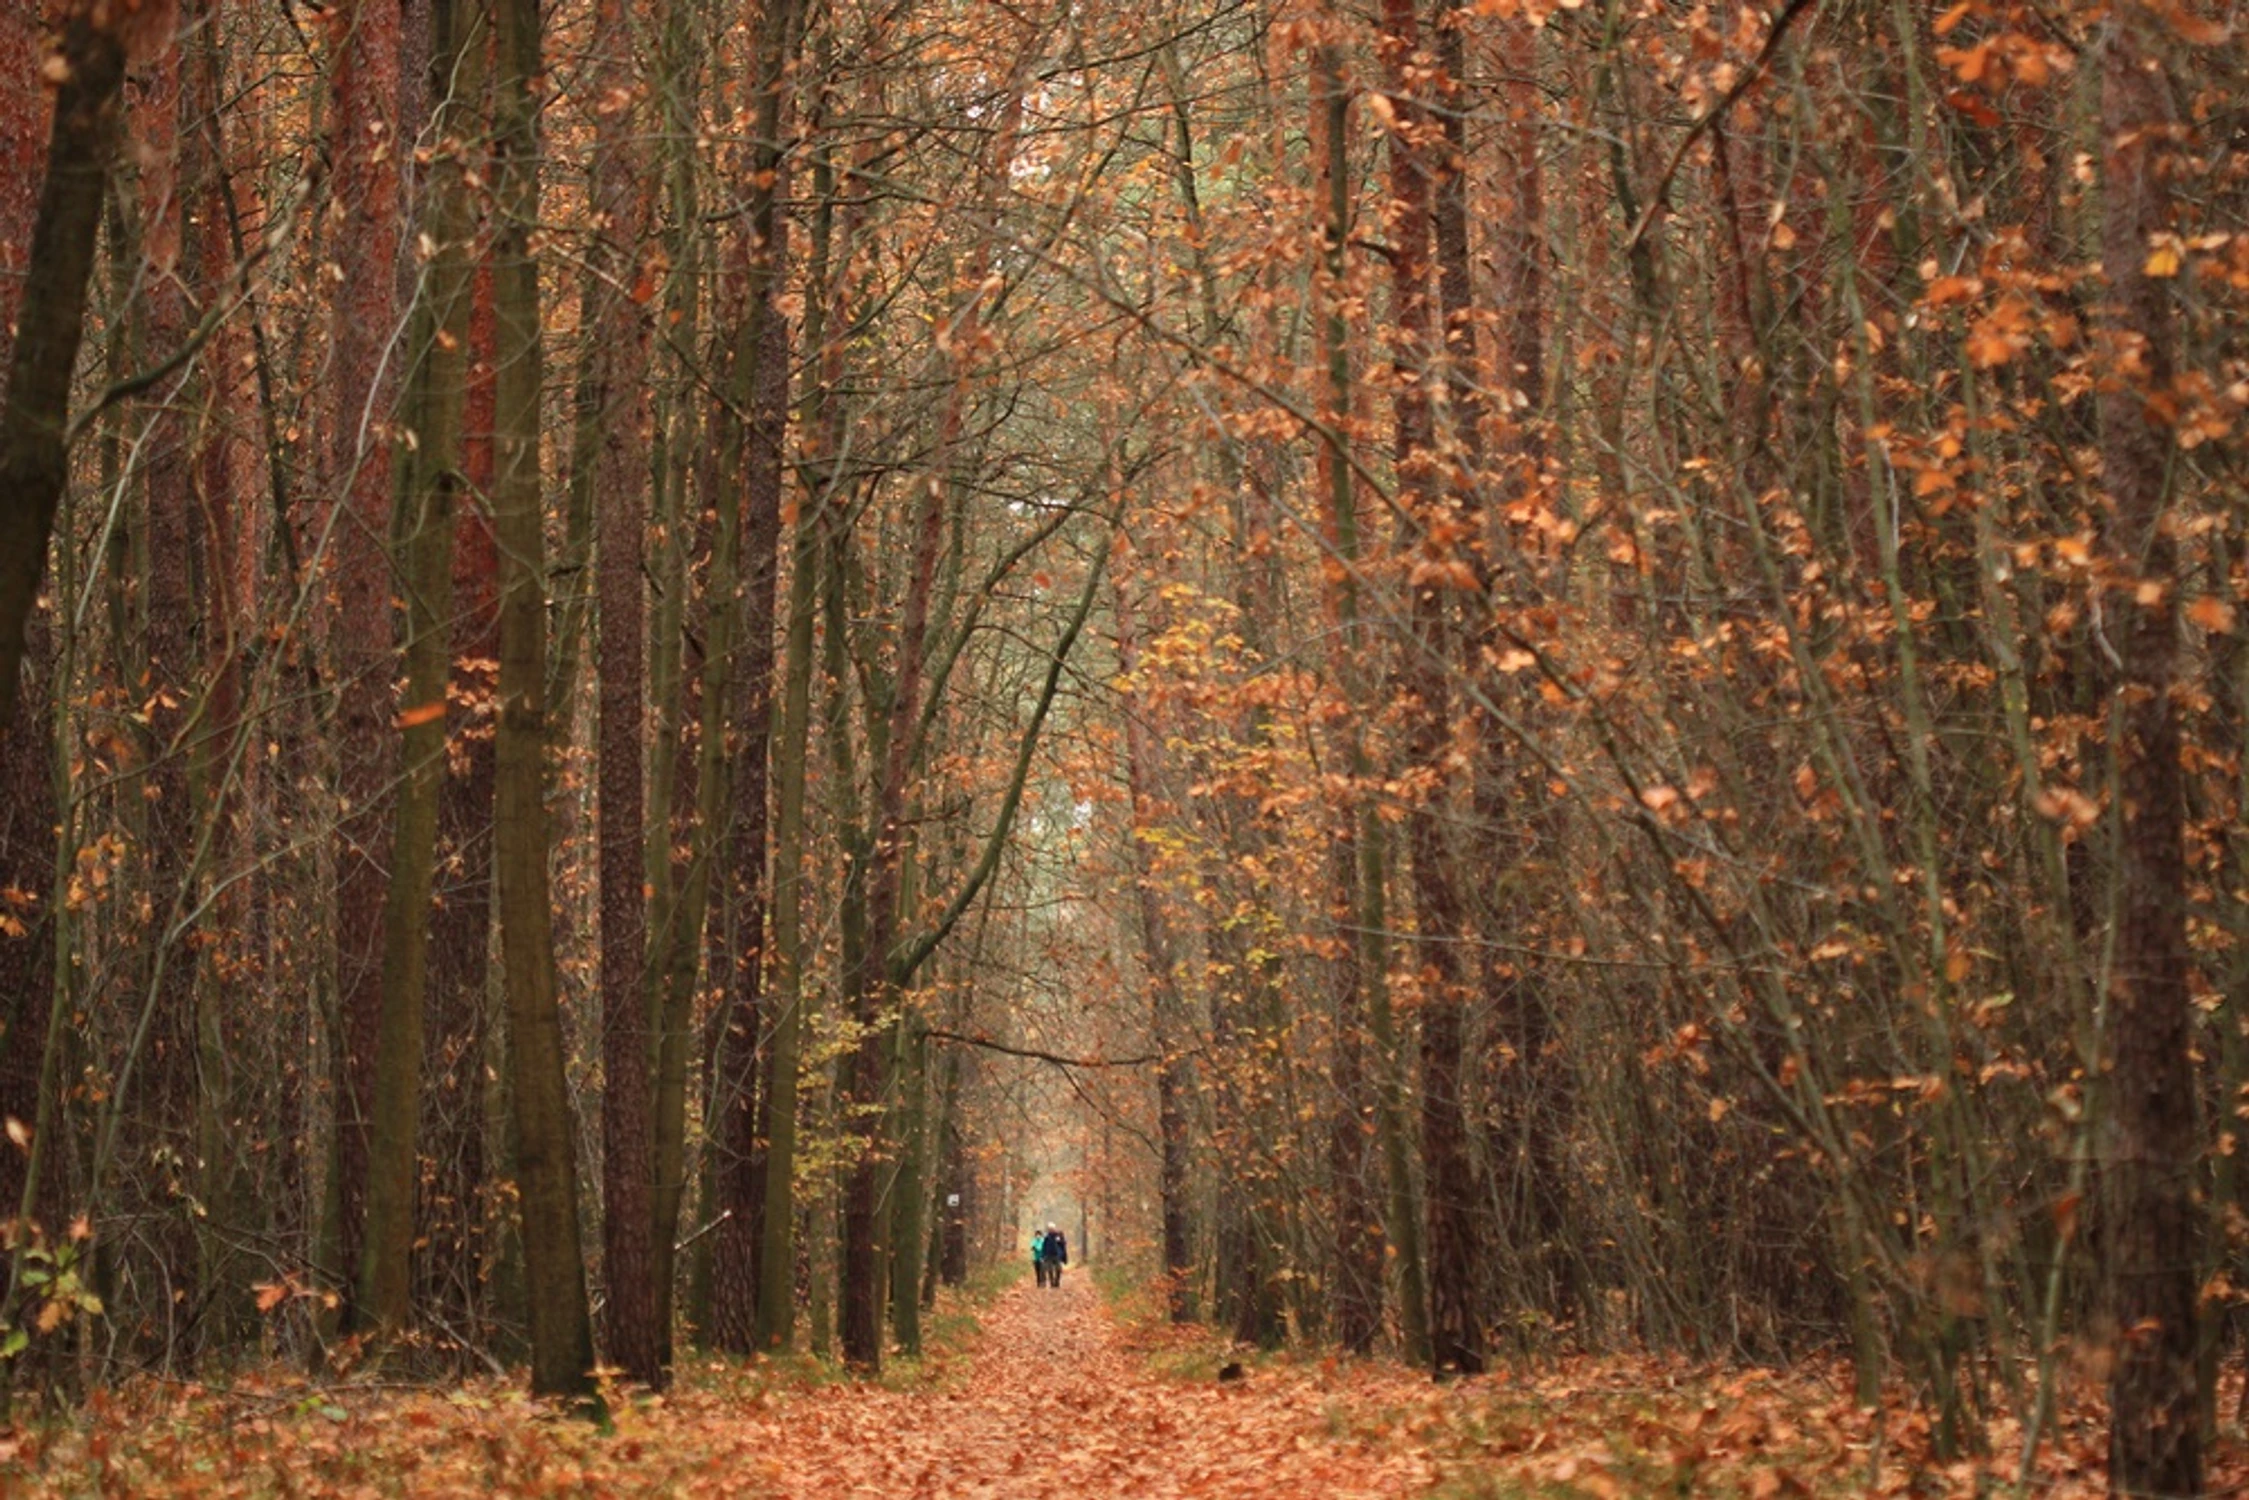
1052,1402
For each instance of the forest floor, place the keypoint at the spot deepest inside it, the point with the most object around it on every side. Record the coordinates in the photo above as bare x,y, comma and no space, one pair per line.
1052,1394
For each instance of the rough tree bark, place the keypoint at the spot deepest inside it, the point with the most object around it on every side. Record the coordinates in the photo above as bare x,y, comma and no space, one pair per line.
1356,895
554,1265
827,315
741,1167
453,1214
27,789
433,411
364,151
1167,1018
1434,568
166,684
752,477
50,317
2154,1218
617,325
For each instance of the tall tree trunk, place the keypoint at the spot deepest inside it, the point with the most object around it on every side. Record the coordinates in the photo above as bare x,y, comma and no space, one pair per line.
1434,566
50,318
561,1330
1360,977
752,478
222,768
1167,1017
741,1165
48,324
2154,1218
365,151
867,988
166,684
827,315
617,403
455,1213
1241,1005
433,410
672,778
776,1300
27,794
909,1199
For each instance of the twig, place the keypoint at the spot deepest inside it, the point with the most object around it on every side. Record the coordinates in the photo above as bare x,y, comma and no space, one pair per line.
706,1229
1038,1056
1716,112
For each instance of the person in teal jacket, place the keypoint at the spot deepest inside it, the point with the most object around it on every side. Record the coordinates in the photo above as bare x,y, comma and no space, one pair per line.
1054,1254
1038,1255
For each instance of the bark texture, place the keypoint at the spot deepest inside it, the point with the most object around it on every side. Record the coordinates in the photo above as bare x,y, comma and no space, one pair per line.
547,1182
2155,1434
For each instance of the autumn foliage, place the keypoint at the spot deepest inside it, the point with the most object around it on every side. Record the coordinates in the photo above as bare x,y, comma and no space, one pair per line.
1521,687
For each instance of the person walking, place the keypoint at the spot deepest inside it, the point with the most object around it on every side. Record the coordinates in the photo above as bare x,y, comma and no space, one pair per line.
1054,1254
1038,1255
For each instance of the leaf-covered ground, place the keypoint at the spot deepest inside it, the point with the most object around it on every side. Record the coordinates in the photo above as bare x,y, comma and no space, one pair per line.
1053,1397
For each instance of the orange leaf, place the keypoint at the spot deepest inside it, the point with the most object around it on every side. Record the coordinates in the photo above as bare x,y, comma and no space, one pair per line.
2212,614
422,714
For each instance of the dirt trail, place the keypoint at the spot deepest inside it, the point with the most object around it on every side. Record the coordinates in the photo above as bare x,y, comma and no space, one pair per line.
1051,1404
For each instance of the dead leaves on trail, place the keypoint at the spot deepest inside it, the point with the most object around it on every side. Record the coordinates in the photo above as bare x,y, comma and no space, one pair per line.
1621,1426
1047,1402
1052,1399
1053,1405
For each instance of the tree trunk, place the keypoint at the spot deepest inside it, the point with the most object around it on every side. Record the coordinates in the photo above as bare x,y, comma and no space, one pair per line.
167,683
455,1213
827,314
756,428
357,481
617,402
909,1197
1434,566
561,1331
867,987
433,410
2154,1217
672,779
50,320
27,792
741,1164
1360,980
1167,1014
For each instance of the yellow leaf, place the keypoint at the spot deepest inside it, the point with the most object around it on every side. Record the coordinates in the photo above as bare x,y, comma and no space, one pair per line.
2162,262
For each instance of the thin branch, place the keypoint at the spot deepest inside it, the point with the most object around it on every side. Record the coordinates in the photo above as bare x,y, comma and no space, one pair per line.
1037,1055
1712,116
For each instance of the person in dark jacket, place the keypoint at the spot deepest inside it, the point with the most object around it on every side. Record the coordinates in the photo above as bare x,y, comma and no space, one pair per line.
1054,1254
